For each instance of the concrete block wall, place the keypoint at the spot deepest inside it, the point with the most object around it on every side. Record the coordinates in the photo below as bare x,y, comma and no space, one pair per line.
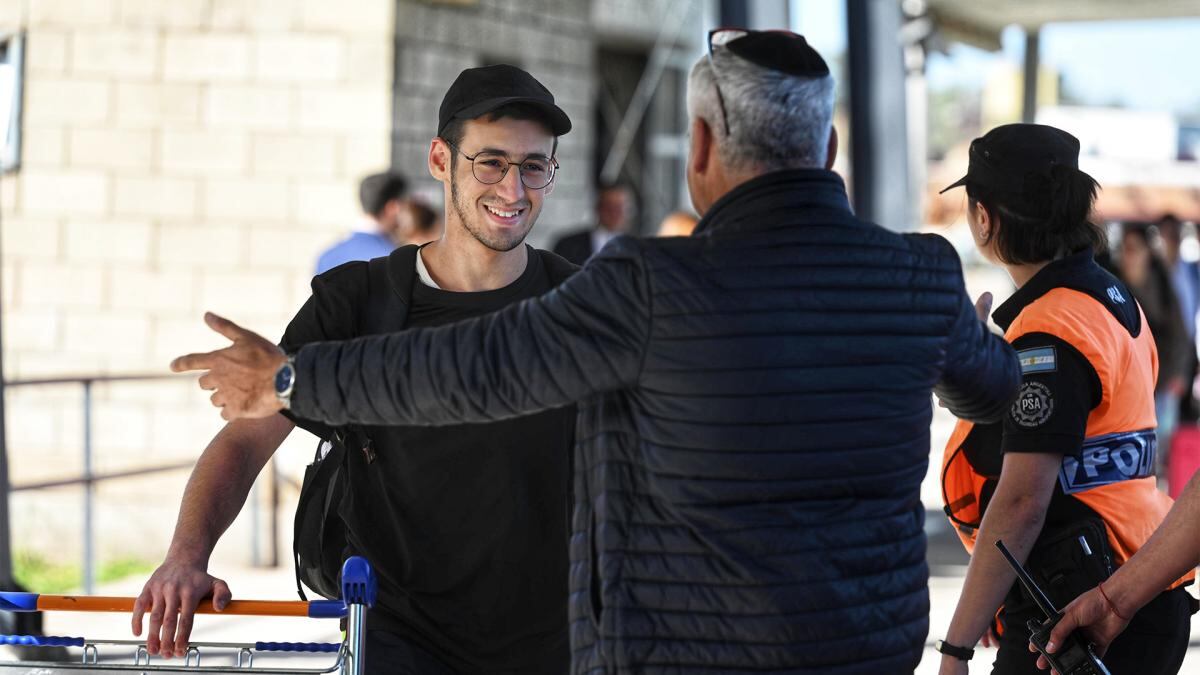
178,156
185,155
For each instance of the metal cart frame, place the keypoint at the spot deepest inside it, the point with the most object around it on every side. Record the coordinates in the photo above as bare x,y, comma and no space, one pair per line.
358,594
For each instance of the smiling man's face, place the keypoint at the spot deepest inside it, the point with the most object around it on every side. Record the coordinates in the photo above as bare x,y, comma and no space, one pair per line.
500,215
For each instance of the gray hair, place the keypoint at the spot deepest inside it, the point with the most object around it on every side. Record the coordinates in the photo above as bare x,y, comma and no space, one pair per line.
776,121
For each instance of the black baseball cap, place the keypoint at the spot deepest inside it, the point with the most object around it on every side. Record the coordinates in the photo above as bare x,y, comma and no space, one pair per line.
1005,157
478,91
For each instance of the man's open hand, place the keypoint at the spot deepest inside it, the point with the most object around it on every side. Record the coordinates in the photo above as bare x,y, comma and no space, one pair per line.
171,596
242,375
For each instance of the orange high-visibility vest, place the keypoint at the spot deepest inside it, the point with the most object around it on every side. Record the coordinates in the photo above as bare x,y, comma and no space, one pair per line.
1115,476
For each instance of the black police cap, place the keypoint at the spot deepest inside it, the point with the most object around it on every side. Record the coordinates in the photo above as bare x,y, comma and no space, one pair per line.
1003,158
478,91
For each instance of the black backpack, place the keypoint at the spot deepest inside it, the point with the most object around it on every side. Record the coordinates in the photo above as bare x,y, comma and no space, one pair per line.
319,536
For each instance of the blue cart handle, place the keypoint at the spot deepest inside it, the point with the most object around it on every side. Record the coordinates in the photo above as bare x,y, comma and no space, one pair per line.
41,641
358,582
323,647
17,601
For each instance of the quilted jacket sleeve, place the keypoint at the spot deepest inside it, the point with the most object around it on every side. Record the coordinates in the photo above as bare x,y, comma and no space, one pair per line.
586,336
981,374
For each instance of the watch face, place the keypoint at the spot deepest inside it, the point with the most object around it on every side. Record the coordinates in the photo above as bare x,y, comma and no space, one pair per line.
284,377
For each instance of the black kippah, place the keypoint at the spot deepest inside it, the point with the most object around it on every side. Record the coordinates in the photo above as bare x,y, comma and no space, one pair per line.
780,50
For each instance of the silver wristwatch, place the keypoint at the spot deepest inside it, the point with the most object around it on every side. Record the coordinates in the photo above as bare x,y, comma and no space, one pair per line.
285,382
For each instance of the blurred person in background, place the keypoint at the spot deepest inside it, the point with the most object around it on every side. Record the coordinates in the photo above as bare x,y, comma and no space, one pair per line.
1185,279
677,224
1066,479
1141,267
418,224
749,463
382,196
614,211
466,525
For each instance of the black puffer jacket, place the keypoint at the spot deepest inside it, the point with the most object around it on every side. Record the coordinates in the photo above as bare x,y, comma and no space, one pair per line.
753,432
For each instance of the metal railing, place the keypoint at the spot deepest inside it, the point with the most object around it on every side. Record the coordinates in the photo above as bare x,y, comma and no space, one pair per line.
89,478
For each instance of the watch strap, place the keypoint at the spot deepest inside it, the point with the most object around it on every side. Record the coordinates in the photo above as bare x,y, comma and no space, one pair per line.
960,653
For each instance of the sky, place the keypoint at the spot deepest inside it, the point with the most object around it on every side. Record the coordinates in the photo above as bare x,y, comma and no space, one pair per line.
1149,64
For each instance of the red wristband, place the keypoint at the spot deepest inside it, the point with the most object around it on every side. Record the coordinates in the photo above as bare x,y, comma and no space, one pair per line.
1111,607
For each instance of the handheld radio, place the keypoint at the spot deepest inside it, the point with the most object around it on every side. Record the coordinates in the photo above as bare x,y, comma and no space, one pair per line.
1073,657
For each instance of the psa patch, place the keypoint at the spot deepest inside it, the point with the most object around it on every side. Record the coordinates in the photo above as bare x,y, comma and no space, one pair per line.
1034,405
1038,360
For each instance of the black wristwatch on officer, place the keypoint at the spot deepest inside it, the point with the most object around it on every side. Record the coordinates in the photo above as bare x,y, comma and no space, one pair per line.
285,382
960,653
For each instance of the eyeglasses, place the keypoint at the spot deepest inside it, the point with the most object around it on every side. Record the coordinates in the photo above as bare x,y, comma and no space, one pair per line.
490,168
720,37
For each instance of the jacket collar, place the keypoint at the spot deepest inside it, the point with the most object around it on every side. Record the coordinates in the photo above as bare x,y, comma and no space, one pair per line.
1071,271
779,198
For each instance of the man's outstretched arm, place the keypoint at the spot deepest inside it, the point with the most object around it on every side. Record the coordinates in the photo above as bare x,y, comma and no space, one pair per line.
589,335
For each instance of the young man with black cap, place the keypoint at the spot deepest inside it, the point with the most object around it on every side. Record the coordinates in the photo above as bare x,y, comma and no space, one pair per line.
465,524
754,399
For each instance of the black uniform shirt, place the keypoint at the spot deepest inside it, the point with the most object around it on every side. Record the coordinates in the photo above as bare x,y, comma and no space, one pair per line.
1059,387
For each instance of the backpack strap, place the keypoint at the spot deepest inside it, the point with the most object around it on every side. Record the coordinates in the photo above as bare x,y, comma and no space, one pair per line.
389,292
390,282
389,297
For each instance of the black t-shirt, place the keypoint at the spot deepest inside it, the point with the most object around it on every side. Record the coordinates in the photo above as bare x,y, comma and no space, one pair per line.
465,524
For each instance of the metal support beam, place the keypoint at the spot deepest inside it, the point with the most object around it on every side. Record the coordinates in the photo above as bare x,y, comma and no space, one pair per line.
756,15
659,59
735,14
1030,80
6,570
89,496
9,161
878,126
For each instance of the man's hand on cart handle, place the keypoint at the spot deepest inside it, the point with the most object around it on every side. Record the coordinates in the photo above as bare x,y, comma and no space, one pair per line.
241,376
171,596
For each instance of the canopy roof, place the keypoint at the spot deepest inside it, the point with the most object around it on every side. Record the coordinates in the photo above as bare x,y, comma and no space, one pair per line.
980,23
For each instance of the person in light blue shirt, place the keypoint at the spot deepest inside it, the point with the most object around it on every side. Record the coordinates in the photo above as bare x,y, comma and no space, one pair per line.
383,198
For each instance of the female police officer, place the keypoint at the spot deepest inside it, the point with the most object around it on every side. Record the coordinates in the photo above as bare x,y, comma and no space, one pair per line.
1066,477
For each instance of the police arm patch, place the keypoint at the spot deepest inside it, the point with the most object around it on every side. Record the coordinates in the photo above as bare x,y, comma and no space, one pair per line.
1034,405
1038,360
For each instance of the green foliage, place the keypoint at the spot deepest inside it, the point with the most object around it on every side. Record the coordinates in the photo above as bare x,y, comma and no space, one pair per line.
38,574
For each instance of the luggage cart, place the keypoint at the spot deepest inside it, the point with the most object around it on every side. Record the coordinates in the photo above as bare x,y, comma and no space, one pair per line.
358,593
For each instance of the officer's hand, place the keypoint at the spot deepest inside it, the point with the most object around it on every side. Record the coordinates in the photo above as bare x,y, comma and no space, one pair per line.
989,639
242,374
1096,623
983,307
171,596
